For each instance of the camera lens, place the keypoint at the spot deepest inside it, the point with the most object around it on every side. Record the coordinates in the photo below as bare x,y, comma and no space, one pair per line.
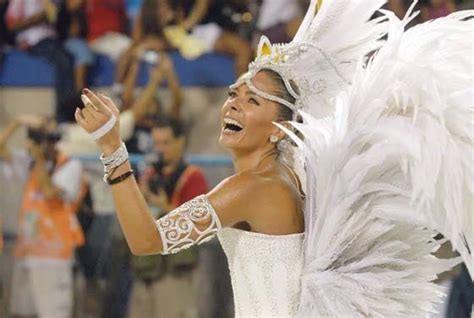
35,135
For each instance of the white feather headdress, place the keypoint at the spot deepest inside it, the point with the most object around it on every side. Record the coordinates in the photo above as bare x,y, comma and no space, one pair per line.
322,57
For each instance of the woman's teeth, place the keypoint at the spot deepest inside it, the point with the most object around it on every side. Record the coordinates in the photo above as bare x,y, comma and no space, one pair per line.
232,125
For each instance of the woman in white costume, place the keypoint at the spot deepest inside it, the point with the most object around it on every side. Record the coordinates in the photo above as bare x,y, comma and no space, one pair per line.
346,167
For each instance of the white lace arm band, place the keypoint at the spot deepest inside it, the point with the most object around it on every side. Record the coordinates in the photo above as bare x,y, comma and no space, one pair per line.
194,222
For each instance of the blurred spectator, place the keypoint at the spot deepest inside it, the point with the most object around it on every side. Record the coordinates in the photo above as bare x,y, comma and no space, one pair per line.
278,20
71,26
464,4
461,298
430,9
105,16
10,203
5,37
132,8
194,16
107,25
165,286
399,7
436,9
32,22
147,35
48,229
231,15
141,141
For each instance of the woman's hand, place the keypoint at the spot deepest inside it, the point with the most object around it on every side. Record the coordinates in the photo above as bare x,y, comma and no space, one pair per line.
98,110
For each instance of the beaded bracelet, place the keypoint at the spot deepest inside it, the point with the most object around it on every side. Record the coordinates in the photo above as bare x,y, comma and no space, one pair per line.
115,159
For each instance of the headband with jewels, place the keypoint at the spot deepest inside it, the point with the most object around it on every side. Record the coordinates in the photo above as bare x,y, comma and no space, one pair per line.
334,37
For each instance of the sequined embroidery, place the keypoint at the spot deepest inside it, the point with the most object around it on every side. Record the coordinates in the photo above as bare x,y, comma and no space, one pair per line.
194,222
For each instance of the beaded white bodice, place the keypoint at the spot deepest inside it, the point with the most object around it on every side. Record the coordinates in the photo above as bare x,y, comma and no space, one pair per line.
265,271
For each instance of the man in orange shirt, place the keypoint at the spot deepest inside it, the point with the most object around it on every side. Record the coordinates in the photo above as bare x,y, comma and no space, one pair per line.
48,229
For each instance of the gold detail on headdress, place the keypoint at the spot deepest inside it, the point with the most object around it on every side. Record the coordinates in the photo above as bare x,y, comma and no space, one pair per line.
264,47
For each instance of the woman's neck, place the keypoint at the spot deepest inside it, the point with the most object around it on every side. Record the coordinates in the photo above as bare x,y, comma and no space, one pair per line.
252,160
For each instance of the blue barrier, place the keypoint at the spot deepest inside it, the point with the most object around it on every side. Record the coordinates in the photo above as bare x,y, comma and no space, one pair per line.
210,70
200,160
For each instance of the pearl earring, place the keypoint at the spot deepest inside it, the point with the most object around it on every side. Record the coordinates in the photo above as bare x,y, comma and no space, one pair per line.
273,139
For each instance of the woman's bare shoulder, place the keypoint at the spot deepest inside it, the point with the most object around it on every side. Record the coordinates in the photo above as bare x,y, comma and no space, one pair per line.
255,183
250,194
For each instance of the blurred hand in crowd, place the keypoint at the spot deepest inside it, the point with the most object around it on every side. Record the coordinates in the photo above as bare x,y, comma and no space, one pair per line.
30,121
74,5
163,68
51,11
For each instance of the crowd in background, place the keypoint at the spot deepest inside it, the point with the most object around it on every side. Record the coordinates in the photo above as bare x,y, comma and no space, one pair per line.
68,33
67,228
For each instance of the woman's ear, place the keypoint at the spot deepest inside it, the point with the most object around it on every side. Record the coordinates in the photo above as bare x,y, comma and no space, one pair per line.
280,133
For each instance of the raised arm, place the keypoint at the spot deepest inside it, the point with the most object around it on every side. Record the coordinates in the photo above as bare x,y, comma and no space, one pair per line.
164,71
21,121
221,207
15,24
137,32
129,83
5,136
173,86
197,14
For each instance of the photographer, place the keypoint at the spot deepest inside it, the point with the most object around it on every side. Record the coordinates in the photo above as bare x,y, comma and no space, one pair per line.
48,231
164,286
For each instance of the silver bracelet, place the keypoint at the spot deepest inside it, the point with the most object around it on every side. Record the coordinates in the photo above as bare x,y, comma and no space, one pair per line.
115,159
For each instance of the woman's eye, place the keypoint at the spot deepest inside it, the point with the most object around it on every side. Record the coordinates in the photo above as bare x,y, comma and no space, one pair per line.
254,101
232,94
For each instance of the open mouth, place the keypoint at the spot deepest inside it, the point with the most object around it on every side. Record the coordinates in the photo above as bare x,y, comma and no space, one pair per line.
232,125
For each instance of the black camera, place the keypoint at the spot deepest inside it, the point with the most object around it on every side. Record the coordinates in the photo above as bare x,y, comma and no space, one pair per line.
155,183
39,136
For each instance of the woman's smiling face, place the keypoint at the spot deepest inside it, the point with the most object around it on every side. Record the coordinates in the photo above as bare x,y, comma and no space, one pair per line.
246,118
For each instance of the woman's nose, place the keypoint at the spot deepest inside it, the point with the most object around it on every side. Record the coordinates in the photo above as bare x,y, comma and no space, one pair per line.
234,105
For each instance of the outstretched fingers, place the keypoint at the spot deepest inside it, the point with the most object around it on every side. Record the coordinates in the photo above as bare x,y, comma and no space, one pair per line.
80,119
94,101
109,103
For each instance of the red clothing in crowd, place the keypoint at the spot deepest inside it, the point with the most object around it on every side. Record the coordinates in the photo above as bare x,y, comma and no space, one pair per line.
105,16
191,184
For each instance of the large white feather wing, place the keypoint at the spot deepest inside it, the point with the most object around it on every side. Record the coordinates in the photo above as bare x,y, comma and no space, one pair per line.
389,170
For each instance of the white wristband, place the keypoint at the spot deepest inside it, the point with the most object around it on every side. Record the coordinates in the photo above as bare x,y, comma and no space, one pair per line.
99,133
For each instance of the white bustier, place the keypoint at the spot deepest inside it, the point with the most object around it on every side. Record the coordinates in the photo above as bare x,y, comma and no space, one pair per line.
265,271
